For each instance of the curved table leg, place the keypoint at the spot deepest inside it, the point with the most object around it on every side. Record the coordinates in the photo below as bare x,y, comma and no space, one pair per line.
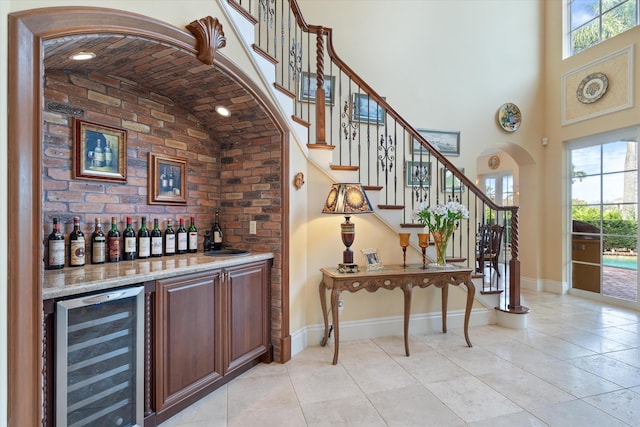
323,304
445,299
335,295
407,313
471,293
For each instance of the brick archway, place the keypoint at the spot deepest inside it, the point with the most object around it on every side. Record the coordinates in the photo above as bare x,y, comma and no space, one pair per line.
28,31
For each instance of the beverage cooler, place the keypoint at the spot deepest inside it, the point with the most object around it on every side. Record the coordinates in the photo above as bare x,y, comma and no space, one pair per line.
99,359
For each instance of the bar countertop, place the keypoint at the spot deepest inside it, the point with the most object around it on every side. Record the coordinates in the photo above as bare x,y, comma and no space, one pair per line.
77,280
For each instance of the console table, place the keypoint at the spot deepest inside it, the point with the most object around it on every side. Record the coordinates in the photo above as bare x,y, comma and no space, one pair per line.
391,277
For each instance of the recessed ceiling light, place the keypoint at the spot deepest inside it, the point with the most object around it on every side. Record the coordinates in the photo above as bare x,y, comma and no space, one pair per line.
223,111
82,56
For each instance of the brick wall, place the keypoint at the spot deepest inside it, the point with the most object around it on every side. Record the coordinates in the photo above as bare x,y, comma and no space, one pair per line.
153,124
241,174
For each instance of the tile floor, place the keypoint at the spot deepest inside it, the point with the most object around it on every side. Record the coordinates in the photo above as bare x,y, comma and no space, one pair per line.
577,364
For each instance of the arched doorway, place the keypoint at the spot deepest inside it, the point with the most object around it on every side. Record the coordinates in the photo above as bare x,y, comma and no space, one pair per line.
504,172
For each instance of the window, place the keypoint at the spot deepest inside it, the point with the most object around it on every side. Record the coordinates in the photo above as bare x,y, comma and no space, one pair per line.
603,189
593,21
499,188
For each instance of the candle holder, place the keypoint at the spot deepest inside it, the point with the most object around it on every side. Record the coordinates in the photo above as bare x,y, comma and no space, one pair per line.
404,242
423,242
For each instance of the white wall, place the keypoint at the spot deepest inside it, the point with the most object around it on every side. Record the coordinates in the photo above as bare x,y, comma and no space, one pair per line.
449,65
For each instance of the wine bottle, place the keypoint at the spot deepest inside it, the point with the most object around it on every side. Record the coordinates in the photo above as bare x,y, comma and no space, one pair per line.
114,244
56,247
182,238
98,244
169,239
170,178
129,241
156,240
217,232
164,182
108,155
193,237
76,244
99,154
144,240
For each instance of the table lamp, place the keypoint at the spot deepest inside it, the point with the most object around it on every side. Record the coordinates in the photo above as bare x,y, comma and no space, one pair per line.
347,199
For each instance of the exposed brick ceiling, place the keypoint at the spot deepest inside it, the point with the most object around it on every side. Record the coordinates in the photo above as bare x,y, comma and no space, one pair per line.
170,72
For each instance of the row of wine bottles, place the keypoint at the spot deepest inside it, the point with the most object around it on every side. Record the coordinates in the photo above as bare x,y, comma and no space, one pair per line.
115,246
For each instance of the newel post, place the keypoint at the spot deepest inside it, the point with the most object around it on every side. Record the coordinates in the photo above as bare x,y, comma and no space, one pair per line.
514,269
320,95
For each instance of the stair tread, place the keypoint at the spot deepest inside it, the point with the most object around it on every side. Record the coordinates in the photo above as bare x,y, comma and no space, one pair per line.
499,291
302,122
344,168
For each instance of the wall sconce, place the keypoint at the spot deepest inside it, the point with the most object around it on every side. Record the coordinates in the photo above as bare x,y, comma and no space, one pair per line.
347,199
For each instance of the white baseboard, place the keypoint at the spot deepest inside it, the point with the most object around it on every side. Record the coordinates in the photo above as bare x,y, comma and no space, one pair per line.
540,285
390,326
556,287
530,284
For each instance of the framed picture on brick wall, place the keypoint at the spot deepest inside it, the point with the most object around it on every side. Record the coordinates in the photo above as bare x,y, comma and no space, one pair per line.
167,180
100,152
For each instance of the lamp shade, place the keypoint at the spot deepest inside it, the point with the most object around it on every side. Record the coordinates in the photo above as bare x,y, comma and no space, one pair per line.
347,199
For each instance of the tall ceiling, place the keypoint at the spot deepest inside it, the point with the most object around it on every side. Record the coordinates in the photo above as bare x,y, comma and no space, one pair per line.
169,72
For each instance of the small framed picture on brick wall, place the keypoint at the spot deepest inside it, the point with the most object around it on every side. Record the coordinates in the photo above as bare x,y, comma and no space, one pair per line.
100,152
167,180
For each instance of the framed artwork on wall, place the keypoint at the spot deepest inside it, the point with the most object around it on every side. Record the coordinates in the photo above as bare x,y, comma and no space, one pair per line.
167,180
100,152
418,174
449,183
366,110
446,142
309,86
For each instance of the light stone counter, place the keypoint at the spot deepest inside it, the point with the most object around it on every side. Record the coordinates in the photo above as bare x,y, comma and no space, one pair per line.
90,278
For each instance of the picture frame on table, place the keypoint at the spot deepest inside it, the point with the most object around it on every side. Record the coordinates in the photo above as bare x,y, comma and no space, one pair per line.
372,259
167,180
100,152
446,142
449,183
309,86
417,174
366,110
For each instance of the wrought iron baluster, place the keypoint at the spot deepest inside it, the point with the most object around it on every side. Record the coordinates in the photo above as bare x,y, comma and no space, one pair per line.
349,127
295,59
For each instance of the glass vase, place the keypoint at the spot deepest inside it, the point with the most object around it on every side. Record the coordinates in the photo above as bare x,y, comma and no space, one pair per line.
441,239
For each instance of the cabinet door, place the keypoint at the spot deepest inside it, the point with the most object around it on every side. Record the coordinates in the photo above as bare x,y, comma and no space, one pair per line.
248,313
188,338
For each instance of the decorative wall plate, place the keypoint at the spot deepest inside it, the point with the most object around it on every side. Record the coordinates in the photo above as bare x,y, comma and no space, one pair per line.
509,117
592,88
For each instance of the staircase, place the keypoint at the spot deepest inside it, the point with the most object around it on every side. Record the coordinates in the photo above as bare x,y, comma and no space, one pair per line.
352,133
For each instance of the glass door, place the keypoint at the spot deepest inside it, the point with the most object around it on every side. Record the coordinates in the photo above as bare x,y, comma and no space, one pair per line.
499,188
603,189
